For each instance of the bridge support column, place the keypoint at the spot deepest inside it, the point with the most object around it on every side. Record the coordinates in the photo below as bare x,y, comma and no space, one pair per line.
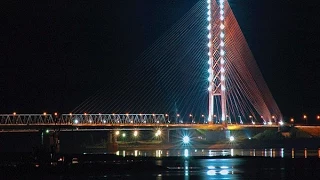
54,143
166,137
111,145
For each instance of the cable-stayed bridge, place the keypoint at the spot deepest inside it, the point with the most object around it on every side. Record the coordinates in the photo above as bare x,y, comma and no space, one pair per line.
201,68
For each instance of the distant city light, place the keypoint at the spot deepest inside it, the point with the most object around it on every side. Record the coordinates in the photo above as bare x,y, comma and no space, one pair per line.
76,121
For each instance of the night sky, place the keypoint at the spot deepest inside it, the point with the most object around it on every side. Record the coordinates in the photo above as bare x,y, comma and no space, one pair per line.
55,54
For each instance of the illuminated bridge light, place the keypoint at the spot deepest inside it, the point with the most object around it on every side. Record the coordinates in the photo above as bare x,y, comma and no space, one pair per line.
186,140
221,35
231,139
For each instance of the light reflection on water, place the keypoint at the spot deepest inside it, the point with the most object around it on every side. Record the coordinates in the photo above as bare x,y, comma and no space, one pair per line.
273,152
279,163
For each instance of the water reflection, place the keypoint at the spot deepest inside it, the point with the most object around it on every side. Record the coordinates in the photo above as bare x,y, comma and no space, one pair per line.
186,153
305,153
292,153
273,153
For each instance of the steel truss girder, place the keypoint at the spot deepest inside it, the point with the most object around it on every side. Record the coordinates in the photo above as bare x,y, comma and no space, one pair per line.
26,119
113,119
81,119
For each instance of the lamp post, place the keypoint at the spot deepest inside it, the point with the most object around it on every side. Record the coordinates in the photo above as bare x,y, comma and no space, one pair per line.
305,118
168,118
203,119
292,120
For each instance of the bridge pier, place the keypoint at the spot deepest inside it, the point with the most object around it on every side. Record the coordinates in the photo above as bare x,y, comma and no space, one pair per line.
54,142
111,145
166,137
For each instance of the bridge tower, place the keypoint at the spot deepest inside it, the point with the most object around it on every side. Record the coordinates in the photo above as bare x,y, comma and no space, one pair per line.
217,83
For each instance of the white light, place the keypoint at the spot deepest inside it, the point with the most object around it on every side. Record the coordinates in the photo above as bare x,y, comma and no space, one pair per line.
221,12
208,7
90,121
186,140
221,43
135,133
104,121
209,62
231,138
211,172
222,61
270,123
209,13
209,36
208,1
76,121
209,78
221,6
281,123
211,167
222,53
224,172
209,88
223,70
222,78
253,122
209,55
223,89
209,18
221,35
124,135
158,133
209,70
221,1
221,26
221,18
209,27
209,44
224,167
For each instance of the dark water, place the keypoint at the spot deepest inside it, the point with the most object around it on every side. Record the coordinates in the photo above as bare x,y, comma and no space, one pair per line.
180,164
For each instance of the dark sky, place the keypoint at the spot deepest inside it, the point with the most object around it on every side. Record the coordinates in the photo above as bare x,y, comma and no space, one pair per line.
55,54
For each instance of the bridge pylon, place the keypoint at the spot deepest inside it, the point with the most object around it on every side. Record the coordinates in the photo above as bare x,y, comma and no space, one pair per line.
217,75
